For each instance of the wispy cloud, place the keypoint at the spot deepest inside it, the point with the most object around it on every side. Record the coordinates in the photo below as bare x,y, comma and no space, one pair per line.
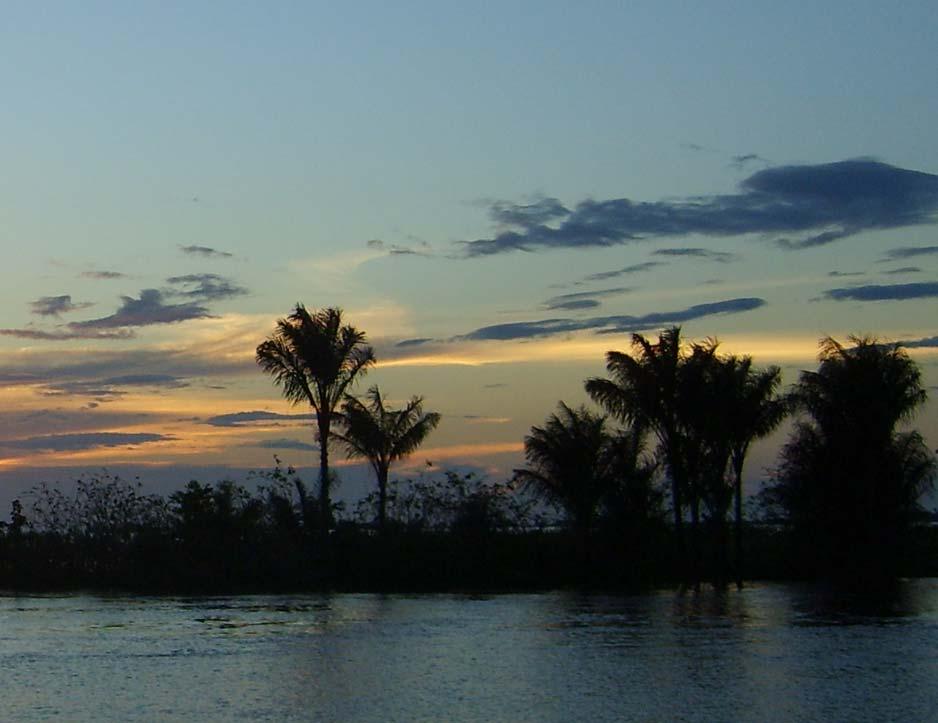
103,275
904,270
582,299
884,292
205,252
244,419
68,334
609,324
83,441
56,305
286,444
818,203
207,287
908,252
624,271
721,257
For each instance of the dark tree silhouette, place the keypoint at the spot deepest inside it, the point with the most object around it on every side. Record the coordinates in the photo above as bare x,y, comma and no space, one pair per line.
383,435
849,480
315,358
758,411
570,465
644,390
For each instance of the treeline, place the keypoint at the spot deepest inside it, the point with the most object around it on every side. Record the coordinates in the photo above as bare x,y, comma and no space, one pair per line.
647,491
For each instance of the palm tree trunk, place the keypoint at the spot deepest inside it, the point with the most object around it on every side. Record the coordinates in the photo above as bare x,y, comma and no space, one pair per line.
738,510
382,498
325,504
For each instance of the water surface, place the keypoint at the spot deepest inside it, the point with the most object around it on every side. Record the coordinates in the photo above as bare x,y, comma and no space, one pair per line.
770,652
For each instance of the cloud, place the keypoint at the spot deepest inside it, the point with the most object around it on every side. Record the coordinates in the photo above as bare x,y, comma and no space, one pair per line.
110,388
413,342
633,269
904,270
69,334
697,253
928,342
582,299
205,252
844,274
56,305
609,324
243,419
286,444
478,419
819,204
103,275
886,292
208,287
149,309
83,441
908,252
421,249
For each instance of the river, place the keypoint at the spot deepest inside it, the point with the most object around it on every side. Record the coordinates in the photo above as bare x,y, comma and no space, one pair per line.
769,652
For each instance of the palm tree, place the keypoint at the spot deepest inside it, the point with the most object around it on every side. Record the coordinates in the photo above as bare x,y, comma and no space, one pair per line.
758,410
570,463
848,479
315,359
644,390
383,435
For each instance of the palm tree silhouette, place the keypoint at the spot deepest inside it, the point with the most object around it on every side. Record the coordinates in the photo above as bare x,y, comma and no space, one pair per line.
570,464
383,435
315,359
644,390
758,410
849,479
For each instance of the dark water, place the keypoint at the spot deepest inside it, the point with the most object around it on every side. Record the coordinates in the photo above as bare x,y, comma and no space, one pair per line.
771,652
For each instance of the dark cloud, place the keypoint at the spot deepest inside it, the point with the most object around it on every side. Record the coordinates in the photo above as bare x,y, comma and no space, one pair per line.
206,287
819,204
375,243
885,292
113,387
746,158
149,309
286,444
721,257
908,252
82,441
928,342
56,305
844,274
243,419
413,342
904,270
68,334
609,324
103,275
41,368
205,252
633,269
582,299
539,212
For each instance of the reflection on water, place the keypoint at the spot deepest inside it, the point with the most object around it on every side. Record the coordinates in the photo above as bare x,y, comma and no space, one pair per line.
772,652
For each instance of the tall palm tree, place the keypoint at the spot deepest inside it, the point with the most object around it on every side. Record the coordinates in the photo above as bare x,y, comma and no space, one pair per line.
644,390
315,358
383,435
758,410
570,463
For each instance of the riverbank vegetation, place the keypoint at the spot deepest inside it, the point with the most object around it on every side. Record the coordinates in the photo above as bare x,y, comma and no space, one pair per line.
644,490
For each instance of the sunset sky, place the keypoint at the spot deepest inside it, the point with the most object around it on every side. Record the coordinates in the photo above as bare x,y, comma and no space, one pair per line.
496,193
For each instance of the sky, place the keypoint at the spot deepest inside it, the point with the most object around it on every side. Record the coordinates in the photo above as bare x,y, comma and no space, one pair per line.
497,194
